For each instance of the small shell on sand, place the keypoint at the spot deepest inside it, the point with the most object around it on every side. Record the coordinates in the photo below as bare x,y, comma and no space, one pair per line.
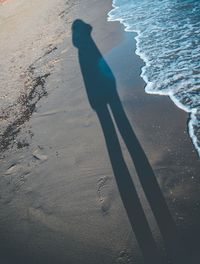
38,155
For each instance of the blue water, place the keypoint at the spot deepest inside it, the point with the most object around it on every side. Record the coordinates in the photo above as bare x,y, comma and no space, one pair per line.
168,40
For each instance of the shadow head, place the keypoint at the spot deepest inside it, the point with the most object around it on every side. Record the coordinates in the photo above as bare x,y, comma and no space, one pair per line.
80,32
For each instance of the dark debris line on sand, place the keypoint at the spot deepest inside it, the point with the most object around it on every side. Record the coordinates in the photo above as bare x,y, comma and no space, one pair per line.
26,101
34,90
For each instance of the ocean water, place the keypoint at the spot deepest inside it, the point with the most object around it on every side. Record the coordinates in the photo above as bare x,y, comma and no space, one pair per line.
168,40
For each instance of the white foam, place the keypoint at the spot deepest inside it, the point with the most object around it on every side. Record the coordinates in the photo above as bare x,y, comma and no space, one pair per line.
167,78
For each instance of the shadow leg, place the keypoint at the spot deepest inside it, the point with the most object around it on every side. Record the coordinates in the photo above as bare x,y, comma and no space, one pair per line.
150,185
127,190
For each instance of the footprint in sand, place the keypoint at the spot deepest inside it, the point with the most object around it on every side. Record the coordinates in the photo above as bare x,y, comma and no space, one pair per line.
124,258
18,169
104,194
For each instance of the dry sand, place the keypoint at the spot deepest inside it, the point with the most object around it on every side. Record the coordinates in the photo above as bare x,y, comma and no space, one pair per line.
59,199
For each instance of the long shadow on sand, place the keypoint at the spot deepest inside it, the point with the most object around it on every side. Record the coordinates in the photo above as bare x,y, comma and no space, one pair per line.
102,94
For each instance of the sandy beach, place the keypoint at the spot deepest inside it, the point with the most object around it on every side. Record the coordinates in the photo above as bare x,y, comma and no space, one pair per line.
93,169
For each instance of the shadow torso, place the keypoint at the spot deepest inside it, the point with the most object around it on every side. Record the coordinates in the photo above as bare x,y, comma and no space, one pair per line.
98,77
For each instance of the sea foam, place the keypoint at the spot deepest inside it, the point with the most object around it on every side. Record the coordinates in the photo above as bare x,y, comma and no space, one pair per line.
168,41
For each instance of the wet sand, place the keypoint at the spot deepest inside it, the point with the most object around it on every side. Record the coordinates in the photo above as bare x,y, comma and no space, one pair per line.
66,193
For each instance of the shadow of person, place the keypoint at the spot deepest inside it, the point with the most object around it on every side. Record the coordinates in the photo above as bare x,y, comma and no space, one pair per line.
101,90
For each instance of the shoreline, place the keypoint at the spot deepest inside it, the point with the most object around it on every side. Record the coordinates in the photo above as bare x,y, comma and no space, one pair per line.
59,198
148,87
